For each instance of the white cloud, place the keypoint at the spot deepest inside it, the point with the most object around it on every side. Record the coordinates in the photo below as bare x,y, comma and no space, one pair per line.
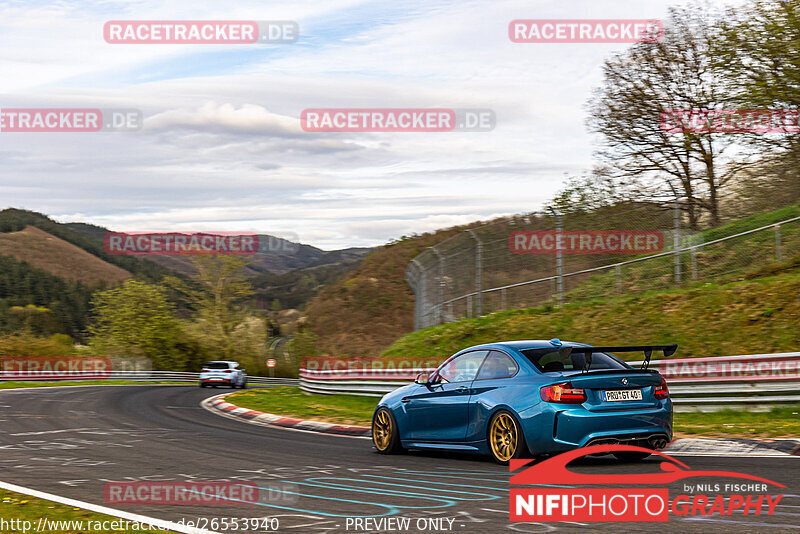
222,149
248,118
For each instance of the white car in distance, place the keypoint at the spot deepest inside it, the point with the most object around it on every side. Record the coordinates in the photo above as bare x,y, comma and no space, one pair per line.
223,373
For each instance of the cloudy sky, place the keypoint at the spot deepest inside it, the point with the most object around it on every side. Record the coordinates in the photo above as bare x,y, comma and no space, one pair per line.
222,148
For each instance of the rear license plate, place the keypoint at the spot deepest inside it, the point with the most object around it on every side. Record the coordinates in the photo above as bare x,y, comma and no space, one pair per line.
622,395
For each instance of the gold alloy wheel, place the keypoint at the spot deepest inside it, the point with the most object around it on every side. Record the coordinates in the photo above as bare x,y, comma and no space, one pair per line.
503,437
382,430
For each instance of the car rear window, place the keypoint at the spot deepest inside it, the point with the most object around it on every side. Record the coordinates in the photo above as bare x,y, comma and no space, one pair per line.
217,365
551,361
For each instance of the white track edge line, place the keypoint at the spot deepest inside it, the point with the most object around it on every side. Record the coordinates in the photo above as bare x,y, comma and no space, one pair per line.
92,386
169,525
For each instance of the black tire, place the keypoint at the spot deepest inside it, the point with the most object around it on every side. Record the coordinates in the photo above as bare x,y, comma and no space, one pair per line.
631,456
202,385
502,446
392,445
244,385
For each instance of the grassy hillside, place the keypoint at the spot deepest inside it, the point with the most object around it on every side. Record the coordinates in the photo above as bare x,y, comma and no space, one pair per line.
363,312
753,316
16,220
59,257
724,262
49,271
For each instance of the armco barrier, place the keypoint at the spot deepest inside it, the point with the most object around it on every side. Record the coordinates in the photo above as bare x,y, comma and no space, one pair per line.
144,376
755,381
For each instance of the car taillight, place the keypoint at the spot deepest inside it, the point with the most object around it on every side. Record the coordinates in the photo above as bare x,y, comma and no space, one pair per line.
562,393
228,370
203,370
662,392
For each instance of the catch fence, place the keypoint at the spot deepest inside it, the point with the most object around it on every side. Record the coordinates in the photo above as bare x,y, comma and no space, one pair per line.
513,264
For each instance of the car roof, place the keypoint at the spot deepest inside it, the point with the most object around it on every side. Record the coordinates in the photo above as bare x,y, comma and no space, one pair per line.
222,361
530,344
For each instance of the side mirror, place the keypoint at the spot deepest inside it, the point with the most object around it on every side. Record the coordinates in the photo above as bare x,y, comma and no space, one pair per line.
422,378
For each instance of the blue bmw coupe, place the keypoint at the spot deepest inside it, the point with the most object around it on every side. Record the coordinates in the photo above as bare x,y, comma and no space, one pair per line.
529,398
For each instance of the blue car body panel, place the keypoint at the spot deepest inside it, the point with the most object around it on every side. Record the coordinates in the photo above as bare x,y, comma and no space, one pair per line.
456,415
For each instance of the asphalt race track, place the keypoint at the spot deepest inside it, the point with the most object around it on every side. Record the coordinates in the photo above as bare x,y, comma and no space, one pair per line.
71,441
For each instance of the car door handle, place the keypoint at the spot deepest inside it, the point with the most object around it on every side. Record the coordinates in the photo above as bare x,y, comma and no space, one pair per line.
405,400
462,389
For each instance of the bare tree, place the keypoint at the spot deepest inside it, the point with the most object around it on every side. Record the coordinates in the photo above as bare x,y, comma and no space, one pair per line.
640,85
758,52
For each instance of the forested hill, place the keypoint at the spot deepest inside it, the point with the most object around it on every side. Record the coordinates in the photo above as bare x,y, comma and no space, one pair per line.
49,270
33,300
16,220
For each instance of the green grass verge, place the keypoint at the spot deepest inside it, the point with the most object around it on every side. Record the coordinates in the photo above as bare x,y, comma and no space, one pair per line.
777,423
291,402
15,384
745,317
344,409
20,508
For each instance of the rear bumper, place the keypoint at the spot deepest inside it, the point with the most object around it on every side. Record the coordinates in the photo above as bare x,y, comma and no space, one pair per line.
558,427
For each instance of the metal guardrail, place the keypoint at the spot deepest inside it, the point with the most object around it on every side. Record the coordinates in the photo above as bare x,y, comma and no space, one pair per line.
753,381
144,376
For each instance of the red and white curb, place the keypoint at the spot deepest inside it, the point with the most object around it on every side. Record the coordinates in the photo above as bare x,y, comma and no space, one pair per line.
724,447
218,405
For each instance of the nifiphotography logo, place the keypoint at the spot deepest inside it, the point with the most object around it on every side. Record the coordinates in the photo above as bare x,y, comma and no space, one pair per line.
607,503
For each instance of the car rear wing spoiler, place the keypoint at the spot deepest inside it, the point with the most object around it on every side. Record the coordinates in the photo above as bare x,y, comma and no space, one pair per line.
668,350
